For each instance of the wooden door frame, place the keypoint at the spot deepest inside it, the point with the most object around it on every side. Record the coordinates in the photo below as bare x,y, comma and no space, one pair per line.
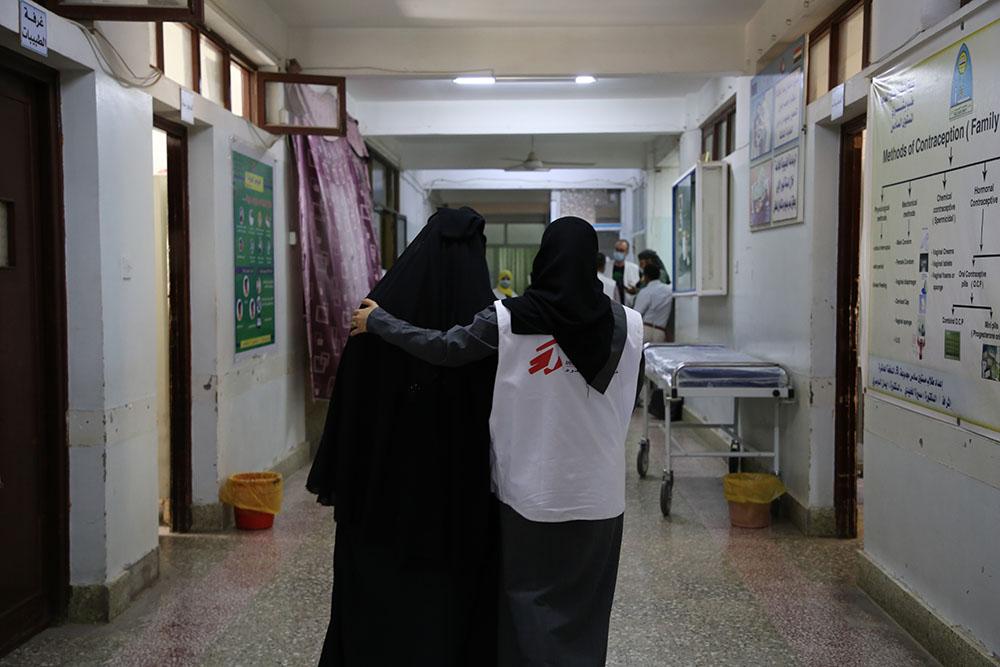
179,337
845,490
51,267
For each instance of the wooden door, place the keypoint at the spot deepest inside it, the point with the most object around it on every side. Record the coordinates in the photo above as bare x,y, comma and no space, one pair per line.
845,491
179,307
33,571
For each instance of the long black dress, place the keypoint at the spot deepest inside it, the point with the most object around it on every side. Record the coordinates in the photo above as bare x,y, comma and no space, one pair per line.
405,461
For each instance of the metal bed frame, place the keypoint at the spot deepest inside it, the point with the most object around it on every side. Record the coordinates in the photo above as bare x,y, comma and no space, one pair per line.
675,391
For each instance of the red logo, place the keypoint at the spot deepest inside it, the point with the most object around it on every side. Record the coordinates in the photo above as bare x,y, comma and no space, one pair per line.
544,359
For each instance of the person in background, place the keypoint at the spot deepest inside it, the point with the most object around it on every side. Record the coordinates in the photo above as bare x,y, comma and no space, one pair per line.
567,364
625,273
654,302
504,289
608,283
651,257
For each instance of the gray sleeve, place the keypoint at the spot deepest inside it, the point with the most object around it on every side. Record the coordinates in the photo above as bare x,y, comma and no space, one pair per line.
458,346
642,301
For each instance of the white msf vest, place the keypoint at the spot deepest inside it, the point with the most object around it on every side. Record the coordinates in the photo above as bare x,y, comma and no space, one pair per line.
558,444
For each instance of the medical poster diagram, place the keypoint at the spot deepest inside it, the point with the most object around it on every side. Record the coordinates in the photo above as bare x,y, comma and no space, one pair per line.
253,238
777,110
935,231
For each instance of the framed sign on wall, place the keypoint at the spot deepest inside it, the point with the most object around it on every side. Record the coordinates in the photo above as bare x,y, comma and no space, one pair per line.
777,163
684,230
253,252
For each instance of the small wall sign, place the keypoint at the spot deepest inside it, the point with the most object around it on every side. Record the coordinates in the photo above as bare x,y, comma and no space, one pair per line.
837,103
34,28
187,106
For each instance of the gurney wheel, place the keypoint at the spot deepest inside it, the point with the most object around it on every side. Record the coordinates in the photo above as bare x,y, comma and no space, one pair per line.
666,492
642,460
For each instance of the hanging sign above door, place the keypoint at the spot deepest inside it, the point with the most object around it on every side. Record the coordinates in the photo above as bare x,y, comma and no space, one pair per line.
34,28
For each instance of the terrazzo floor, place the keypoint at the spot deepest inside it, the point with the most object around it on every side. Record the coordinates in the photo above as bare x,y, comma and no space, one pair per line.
691,591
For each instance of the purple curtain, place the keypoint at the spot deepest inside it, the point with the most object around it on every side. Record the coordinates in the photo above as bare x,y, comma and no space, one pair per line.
340,259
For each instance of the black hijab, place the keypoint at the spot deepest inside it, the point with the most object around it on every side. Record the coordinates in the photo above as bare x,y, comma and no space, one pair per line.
405,451
566,299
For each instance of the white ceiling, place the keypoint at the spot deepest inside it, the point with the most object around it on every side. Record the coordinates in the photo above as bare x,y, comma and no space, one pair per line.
387,88
511,13
486,151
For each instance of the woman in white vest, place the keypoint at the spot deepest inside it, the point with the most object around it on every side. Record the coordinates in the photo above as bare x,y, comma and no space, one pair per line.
568,360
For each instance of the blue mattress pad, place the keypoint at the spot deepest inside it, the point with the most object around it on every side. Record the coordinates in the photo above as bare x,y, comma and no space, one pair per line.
711,366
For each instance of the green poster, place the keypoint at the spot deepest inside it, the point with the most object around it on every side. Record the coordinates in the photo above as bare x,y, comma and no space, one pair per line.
253,250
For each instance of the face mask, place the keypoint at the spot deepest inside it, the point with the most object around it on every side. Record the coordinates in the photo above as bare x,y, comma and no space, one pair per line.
619,256
505,282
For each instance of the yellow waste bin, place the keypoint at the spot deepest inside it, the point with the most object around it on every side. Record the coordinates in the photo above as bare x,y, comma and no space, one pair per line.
255,497
750,495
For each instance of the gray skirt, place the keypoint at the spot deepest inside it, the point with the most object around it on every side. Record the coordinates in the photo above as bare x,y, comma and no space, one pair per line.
557,585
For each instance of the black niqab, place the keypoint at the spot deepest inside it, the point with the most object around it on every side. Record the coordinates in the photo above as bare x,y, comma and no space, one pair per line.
566,299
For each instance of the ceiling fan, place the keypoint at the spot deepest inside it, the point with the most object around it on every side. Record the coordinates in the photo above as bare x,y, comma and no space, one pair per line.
534,163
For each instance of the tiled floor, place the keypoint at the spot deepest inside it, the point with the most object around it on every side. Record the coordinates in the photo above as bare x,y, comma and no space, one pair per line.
691,591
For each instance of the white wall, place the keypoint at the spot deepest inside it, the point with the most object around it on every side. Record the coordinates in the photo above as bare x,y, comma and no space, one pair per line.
932,514
898,21
497,179
932,488
659,206
107,157
781,301
414,203
248,410
247,413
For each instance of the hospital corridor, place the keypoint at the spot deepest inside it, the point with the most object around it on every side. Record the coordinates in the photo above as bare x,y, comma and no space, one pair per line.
451,334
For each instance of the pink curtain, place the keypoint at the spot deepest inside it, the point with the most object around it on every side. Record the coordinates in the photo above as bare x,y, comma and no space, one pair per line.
340,259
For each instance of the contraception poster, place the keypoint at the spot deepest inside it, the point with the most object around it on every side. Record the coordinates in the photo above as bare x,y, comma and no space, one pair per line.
777,113
253,241
935,231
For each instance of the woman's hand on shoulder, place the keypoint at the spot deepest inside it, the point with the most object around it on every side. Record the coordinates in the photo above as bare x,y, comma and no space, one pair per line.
359,320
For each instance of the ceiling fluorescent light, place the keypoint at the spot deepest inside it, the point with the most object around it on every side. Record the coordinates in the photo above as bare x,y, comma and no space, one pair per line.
475,80
585,79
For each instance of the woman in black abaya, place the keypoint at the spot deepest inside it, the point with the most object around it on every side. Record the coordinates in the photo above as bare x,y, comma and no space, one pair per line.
404,459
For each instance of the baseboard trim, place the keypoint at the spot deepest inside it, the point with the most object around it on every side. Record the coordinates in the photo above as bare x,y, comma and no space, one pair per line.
947,643
811,521
100,603
300,456
218,517
211,518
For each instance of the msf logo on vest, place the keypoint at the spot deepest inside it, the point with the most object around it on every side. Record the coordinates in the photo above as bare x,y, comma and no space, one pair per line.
548,360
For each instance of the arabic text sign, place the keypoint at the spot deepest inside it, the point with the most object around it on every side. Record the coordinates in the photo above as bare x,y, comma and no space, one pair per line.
34,28
776,111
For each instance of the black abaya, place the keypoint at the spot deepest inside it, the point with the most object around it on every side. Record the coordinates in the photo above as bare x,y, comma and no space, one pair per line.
405,461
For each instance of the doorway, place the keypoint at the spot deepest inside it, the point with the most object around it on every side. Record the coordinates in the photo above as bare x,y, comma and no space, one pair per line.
847,416
173,305
34,506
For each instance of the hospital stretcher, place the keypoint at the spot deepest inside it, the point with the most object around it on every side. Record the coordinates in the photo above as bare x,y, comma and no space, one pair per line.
708,371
